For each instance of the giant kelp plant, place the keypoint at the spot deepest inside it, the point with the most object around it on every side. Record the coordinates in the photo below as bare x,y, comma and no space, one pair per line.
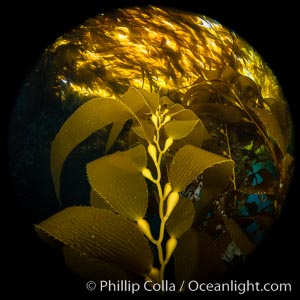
199,181
167,138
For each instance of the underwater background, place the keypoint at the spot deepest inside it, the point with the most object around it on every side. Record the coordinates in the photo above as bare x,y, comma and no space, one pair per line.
25,45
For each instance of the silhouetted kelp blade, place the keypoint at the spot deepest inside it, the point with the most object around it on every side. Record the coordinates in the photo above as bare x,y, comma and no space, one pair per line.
196,258
238,236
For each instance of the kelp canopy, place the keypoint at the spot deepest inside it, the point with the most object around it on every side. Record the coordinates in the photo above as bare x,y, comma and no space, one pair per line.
151,48
183,132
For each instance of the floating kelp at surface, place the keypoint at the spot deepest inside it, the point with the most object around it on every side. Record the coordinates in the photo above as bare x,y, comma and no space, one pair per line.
226,139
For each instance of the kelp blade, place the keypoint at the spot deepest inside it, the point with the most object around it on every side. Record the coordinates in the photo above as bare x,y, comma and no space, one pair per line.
87,119
100,234
118,180
181,218
190,162
196,257
91,268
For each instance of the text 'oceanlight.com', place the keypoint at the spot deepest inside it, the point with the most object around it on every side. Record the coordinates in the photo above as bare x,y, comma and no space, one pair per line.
191,286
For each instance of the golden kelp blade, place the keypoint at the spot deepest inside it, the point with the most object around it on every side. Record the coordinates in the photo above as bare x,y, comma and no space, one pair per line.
190,161
101,235
86,120
91,268
97,201
180,129
181,218
116,179
91,117
113,134
136,100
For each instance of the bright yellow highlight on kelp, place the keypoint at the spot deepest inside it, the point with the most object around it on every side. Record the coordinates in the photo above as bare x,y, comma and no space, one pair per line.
155,49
